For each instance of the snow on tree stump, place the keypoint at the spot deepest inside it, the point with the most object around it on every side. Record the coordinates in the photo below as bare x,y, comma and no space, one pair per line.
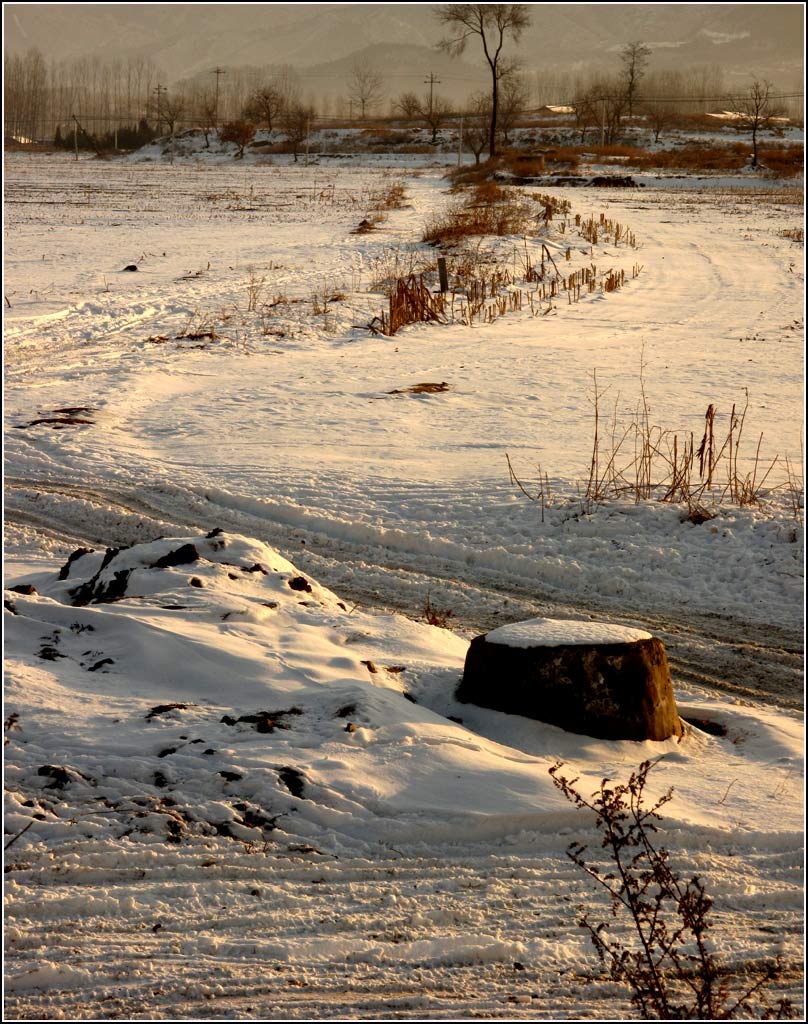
597,679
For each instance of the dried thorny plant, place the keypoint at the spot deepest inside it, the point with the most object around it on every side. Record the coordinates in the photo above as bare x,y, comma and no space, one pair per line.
436,616
671,969
542,495
255,291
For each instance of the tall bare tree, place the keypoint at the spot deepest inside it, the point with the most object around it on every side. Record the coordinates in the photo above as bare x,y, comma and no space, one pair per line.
492,24
756,112
634,58
365,87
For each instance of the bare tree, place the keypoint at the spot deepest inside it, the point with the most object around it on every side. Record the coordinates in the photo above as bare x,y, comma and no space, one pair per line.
605,101
172,110
434,112
514,96
365,87
296,122
660,115
756,112
240,133
477,124
585,105
206,109
408,106
265,106
634,58
492,24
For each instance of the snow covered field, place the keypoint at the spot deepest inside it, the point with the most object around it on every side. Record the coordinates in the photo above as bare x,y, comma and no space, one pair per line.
199,862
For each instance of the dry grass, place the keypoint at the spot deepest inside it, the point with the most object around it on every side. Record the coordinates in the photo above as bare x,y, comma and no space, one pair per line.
785,161
488,209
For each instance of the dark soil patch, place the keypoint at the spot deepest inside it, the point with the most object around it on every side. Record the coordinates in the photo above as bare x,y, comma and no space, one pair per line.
427,388
24,588
64,572
100,664
708,726
300,584
57,422
184,555
264,721
293,780
162,709
50,653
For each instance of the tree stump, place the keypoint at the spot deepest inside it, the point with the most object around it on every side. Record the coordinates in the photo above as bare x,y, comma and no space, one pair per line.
598,679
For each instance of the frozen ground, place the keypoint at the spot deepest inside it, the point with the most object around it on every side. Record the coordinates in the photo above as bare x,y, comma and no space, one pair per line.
423,857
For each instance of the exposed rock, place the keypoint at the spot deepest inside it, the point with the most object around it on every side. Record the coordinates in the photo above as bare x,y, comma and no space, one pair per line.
596,679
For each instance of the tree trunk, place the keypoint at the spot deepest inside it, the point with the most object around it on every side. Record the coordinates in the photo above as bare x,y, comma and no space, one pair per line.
492,140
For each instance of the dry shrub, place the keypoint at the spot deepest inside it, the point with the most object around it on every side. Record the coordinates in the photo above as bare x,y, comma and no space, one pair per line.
665,957
524,165
563,157
391,197
784,161
473,174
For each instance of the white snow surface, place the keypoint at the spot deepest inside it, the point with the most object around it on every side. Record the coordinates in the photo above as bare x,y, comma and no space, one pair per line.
238,783
559,632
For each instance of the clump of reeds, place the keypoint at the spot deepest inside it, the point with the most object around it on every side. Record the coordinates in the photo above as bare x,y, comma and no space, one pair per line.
412,302
644,461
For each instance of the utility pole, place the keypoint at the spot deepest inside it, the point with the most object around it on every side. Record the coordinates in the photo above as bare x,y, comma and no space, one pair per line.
159,89
218,72
431,82
460,142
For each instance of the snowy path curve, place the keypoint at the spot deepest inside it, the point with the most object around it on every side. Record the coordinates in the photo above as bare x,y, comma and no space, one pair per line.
294,438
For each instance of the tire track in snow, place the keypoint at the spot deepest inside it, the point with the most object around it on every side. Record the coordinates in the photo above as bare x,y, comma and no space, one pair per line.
395,569
217,930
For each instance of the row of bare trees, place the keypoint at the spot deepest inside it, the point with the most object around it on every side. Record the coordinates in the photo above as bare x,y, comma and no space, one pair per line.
40,97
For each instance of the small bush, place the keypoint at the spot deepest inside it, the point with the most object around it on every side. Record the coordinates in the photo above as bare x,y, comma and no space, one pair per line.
672,973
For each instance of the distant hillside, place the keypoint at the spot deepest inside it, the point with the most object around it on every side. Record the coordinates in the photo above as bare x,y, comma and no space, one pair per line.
323,40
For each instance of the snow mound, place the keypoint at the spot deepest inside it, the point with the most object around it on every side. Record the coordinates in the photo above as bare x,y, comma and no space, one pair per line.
201,688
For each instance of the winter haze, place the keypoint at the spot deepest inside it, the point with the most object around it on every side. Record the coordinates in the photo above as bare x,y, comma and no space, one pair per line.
322,41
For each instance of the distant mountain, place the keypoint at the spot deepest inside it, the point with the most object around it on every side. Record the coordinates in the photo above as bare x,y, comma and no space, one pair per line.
323,40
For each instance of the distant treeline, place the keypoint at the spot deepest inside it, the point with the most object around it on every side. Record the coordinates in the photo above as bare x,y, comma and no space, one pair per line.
43,100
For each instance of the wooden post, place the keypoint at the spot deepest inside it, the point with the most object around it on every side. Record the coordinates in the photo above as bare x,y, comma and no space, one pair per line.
444,277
